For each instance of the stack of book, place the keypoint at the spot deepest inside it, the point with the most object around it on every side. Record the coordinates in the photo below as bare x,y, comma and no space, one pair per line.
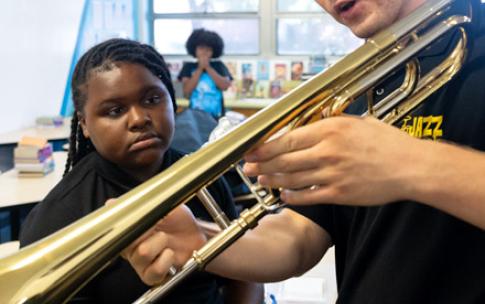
33,157
49,121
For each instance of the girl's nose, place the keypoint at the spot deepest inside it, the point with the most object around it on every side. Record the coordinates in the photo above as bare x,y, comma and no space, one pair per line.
138,117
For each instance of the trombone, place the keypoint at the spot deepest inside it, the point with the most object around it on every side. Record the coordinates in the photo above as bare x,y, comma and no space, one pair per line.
56,267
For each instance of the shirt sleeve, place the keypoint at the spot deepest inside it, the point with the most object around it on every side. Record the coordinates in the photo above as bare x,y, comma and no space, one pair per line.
221,69
72,198
186,71
49,216
322,215
46,218
28,233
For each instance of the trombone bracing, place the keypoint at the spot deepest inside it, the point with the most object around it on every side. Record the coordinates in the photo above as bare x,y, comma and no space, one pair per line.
56,267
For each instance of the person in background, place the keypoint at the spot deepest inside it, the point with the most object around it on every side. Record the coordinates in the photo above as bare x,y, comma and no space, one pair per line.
403,205
205,80
121,135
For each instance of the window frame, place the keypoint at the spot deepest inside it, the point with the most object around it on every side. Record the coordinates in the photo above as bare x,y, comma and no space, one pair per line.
152,17
267,14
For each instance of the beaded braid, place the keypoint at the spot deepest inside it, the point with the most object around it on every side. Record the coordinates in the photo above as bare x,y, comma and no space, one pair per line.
103,57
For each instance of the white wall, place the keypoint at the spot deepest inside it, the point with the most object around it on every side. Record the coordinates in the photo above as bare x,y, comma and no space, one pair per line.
37,40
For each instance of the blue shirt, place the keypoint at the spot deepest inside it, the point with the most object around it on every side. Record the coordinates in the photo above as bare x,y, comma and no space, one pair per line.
206,95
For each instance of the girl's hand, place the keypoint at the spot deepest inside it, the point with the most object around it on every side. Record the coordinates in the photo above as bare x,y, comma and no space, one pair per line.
203,62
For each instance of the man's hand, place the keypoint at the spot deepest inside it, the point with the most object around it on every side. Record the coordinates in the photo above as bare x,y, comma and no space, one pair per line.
170,242
343,160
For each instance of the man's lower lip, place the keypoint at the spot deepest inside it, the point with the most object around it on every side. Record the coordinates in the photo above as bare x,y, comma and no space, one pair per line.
146,143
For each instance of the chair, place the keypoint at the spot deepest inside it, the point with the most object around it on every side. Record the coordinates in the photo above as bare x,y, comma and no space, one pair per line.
192,129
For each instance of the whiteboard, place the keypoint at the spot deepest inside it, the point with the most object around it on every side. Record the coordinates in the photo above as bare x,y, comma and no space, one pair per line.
38,39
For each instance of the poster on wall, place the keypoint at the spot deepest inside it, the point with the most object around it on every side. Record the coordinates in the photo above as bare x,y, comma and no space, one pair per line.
296,70
263,70
247,90
280,71
174,66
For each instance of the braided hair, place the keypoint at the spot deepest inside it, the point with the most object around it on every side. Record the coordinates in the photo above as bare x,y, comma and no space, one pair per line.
102,57
203,37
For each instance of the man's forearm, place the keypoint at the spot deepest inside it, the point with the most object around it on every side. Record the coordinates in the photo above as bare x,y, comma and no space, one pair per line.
452,178
281,246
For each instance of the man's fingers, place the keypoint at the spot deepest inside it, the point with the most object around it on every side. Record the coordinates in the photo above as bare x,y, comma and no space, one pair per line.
295,140
155,274
298,180
110,201
147,251
309,196
175,220
166,224
301,160
128,251
153,253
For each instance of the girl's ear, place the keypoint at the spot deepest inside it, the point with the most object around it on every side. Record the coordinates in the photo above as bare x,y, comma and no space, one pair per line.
82,123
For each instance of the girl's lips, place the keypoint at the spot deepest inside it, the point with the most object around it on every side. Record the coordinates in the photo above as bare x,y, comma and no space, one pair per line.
145,143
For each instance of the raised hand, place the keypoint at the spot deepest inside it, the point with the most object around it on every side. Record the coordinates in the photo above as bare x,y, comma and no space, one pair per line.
203,62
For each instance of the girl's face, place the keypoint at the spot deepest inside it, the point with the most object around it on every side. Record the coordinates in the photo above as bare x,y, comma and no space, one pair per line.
203,51
128,116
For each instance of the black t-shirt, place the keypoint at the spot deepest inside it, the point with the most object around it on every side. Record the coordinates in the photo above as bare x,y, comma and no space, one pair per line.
86,188
206,95
407,252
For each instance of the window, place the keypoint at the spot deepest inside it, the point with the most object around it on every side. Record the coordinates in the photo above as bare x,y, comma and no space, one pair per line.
237,22
298,6
252,27
312,36
204,6
302,28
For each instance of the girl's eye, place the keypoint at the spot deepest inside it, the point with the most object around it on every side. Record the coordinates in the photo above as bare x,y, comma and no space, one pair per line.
115,111
156,99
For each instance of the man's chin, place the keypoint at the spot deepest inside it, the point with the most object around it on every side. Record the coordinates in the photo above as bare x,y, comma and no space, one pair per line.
363,32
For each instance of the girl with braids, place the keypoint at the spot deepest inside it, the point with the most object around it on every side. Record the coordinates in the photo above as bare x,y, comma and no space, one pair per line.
120,137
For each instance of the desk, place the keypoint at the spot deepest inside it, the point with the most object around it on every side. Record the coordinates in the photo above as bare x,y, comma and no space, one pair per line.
16,192
25,190
49,133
